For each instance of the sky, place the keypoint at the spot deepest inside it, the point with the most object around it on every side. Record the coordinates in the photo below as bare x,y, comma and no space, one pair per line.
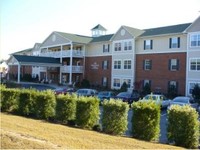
26,22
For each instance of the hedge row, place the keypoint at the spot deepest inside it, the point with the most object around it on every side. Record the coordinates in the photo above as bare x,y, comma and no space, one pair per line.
183,126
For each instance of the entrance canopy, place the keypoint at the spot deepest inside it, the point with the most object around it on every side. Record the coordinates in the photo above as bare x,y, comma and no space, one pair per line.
24,60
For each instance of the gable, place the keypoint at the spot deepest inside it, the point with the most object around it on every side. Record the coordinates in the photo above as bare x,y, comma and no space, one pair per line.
54,39
195,26
122,34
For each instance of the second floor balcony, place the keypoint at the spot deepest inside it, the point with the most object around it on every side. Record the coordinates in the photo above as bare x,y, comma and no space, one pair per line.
75,69
64,53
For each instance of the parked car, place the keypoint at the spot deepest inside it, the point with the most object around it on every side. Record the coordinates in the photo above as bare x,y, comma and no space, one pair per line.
63,91
159,98
105,95
183,100
127,97
87,92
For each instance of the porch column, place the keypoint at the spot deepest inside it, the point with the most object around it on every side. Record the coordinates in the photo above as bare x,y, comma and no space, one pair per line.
60,79
18,73
70,72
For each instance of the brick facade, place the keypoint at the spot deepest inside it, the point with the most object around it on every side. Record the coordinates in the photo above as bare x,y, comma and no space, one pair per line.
160,75
94,71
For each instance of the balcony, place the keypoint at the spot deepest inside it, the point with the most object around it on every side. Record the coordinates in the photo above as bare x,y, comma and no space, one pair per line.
75,69
64,53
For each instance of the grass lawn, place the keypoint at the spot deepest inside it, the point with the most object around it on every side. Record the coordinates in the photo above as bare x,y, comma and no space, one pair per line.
23,133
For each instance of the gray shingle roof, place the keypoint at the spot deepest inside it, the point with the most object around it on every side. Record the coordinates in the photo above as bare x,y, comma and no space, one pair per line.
102,38
166,30
133,31
99,27
36,59
75,37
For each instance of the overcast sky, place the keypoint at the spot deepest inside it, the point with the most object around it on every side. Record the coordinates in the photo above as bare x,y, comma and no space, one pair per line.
26,22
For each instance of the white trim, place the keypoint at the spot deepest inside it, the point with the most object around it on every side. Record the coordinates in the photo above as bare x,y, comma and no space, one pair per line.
159,52
114,64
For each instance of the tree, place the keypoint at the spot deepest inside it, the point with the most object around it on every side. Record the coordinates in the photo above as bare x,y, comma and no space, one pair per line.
124,87
196,93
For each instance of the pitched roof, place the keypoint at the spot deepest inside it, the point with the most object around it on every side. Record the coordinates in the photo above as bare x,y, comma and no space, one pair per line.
133,31
36,59
99,27
166,30
23,51
102,38
75,37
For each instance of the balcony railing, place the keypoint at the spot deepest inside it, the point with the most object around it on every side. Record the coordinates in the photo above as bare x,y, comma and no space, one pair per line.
75,69
64,53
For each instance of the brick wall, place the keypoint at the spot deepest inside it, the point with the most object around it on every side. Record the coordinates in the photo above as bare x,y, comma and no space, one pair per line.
160,74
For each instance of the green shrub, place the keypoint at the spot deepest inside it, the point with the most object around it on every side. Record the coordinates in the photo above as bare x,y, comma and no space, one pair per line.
45,104
183,126
87,112
27,102
146,120
114,118
66,107
9,99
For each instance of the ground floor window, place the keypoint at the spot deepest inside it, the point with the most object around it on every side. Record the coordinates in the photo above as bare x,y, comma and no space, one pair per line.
128,82
191,86
104,81
116,83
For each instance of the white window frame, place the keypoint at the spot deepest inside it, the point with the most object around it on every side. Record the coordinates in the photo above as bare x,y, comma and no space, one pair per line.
196,65
116,84
105,81
105,64
119,66
173,64
195,40
147,45
174,42
128,82
118,46
128,65
147,64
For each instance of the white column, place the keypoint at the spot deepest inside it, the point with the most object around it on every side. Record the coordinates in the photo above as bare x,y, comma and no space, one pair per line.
60,79
70,73
18,73
84,62
61,53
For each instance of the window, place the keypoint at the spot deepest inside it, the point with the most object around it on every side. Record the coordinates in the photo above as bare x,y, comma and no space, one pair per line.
195,64
117,46
147,64
116,83
106,48
195,40
147,82
173,64
174,42
128,82
173,85
104,81
117,64
127,64
105,64
191,86
129,45
125,46
148,44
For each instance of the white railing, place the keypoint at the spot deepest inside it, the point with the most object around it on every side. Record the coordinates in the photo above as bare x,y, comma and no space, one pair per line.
75,69
64,53
43,69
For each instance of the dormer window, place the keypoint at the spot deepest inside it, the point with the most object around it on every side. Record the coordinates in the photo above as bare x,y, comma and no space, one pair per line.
98,30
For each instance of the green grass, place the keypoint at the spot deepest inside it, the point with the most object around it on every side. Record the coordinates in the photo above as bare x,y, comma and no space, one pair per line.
19,133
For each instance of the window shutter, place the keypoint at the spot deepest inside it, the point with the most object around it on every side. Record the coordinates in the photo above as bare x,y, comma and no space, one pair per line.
151,44
177,87
102,64
103,48
150,83
107,64
150,64
170,42
177,68
108,47
144,44
168,86
178,42
143,64
169,64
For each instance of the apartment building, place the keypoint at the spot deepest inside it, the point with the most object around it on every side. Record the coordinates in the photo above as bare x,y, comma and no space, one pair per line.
160,56
193,56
